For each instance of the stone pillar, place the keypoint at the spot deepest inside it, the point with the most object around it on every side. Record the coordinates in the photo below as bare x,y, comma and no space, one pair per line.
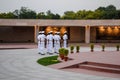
87,34
36,31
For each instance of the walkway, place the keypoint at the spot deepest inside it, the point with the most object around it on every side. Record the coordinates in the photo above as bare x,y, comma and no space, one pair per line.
96,63
20,64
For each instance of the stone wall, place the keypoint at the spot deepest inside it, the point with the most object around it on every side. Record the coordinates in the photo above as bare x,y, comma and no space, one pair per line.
77,34
16,34
92,34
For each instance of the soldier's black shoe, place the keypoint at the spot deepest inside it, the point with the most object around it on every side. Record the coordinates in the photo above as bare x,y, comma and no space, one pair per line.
39,53
57,53
42,54
47,52
50,53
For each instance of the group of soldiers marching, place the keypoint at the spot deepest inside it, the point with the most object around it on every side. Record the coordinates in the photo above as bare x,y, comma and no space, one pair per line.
51,43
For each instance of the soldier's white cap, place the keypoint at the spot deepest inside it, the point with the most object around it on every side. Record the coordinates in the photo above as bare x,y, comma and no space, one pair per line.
65,32
48,32
58,32
55,32
51,31
43,31
40,32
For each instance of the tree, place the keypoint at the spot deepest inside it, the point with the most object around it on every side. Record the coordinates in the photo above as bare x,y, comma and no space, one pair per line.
69,15
117,16
3,15
50,15
82,14
7,15
56,16
98,14
101,9
90,15
27,13
110,8
108,12
10,15
41,15
16,13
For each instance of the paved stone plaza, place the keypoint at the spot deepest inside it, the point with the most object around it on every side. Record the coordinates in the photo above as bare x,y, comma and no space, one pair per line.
20,64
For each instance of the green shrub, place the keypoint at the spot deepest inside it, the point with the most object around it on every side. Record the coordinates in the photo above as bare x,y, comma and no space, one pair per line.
66,52
72,48
117,46
92,47
77,48
103,47
61,50
62,53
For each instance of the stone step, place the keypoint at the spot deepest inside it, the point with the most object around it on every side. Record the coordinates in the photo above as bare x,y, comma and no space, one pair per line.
94,66
101,64
101,67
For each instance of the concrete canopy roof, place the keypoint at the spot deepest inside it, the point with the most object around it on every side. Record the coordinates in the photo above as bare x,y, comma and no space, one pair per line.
52,22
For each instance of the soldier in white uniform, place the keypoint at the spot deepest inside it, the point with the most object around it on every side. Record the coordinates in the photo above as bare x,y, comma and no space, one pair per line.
65,38
58,42
39,43
43,43
50,42
47,43
55,42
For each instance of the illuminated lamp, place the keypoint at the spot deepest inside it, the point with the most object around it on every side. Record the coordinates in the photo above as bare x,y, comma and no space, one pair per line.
109,31
101,30
55,29
62,30
48,29
116,31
